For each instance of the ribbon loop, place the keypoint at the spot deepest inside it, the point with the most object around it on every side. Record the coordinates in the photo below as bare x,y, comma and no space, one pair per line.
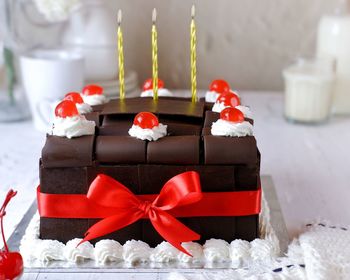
183,189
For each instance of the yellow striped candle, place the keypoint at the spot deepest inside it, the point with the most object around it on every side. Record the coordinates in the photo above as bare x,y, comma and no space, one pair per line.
121,58
154,56
193,57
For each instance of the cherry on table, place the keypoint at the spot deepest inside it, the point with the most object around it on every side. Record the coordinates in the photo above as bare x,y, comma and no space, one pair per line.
11,264
220,86
229,99
66,108
231,114
146,120
92,90
75,97
148,84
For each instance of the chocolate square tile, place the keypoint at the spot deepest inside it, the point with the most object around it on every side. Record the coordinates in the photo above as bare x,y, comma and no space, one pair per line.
174,150
64,152
120,149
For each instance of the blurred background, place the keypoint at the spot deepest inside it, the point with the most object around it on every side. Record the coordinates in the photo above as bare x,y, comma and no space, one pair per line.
246,42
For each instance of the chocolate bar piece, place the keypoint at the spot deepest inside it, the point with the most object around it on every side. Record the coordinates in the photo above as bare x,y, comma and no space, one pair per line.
64,152
120,149
230,150
174,150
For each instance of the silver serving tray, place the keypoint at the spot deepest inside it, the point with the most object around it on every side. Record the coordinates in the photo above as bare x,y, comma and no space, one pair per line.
90,266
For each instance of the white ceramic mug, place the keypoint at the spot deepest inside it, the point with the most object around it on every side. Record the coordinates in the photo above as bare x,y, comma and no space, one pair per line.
47,76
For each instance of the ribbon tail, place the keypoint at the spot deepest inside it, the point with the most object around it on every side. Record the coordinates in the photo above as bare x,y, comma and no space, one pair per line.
111,224
172,230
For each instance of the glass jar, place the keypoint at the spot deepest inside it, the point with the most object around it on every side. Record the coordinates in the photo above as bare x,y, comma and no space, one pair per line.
308,90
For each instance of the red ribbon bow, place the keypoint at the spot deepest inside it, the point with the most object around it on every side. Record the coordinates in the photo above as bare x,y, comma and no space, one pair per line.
183,189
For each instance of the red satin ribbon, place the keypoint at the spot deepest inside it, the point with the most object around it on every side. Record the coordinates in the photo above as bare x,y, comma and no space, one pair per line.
118,207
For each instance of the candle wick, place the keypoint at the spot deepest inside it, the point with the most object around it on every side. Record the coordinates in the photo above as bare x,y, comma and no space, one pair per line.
119,19
193,11
154,16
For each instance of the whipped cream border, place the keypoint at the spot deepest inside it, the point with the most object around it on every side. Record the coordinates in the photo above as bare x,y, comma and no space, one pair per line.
239,252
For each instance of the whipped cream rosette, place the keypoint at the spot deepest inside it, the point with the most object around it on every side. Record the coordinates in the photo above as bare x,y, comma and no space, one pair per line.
83,108
147,127
69,123
231,124
147,89
93,95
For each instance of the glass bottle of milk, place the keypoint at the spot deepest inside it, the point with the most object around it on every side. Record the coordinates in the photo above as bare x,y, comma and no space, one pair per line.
334,41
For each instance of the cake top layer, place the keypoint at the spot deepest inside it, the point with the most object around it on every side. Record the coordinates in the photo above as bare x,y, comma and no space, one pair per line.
163,106
187,141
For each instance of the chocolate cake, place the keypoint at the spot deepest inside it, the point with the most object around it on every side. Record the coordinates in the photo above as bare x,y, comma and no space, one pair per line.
224,164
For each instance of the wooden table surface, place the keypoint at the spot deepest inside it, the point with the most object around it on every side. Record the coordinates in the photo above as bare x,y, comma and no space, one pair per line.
310,165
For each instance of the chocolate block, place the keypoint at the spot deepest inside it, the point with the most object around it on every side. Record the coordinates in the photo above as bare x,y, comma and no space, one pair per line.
177,129
247,227
210,117
62,229
153,177
121,129
215,178
64,152
230,150
73,180
93,116
116,120
174,150
120,149
247,177
98,108
129,232
125,174
207,227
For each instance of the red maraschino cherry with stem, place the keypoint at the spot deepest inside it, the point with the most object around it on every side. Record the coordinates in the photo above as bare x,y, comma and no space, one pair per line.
75,97
146,120
220,86
66,108
11,263
148,84
229,99
231,114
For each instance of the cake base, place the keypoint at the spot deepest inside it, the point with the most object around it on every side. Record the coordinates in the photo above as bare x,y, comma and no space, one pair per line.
272,229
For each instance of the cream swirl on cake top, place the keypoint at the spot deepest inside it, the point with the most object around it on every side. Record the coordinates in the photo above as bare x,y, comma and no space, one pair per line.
69,123
147,127
231,124
147,89
93,95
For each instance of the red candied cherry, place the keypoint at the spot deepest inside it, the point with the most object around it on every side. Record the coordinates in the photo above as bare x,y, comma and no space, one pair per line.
219,86
232,115
75,97
146,120
92,90
229,99
148,84
11,263
66,108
